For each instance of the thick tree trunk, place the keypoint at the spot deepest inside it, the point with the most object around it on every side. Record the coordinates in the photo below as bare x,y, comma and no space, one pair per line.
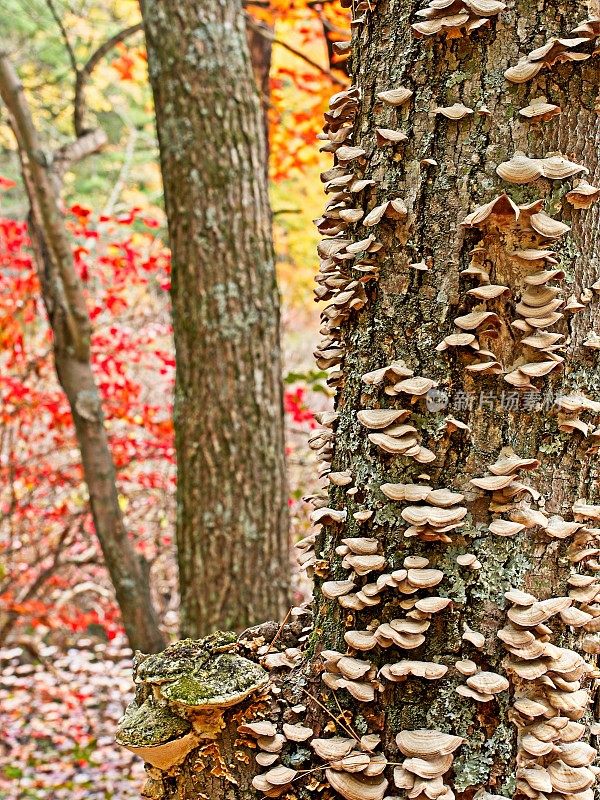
232,522
459,657
68,317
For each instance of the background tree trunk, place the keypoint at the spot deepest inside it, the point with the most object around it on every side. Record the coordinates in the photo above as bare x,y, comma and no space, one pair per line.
232,522
260,44
408,312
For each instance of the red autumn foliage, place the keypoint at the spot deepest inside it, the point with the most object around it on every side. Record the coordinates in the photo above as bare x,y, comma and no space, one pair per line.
46,532
51,573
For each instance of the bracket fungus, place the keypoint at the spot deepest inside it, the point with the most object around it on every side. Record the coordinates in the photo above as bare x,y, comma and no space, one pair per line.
540,110
395,97
452,17
550,700
516,271
575,47
583,194
182,694
521,169
156,734
455,112
389,137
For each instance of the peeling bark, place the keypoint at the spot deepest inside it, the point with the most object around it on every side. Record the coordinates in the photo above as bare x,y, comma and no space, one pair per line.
408,300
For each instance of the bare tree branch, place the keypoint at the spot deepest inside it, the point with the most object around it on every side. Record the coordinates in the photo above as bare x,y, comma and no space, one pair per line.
85,72
269,35
65,36
85,145
43,196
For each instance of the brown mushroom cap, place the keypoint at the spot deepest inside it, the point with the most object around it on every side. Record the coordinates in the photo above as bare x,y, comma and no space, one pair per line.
424,742
356,786
395,97
379,418
261,728
296,733
434,766
488,683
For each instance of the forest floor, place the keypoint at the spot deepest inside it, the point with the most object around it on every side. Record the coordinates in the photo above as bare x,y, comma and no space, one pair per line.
58,713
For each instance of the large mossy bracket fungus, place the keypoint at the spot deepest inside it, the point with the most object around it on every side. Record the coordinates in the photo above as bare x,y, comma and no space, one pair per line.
182,695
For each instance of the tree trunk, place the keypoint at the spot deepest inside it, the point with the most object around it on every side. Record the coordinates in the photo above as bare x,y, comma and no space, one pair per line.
260,44
68,317
232,522
517,475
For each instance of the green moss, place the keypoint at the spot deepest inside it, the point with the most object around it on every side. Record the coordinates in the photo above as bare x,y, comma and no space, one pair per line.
361,726
183,657
481,756
222,679
202,672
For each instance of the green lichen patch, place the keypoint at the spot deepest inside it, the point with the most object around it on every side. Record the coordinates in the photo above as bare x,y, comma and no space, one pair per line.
503,566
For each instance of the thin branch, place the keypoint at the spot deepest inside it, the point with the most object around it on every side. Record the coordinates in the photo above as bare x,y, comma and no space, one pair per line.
83,74
44,201
298,53
128,157
65,36
85,145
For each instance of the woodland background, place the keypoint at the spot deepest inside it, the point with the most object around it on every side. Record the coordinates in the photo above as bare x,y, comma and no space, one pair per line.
64,661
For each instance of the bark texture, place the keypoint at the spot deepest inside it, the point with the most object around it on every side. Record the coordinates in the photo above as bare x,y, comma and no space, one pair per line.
68,317
232,524
403,315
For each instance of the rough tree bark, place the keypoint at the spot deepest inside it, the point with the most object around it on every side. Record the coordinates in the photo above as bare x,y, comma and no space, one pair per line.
464,252
68,317
232,521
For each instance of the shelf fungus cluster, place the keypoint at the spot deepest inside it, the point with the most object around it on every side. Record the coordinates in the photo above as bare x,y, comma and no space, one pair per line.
579,45
271,743
507,328
480,685
570,409
408,632
389,430
407,581
438,514
429,755
510,495
350,766
455,18
549,700
360,9
522,170
345,264
353,674
515,259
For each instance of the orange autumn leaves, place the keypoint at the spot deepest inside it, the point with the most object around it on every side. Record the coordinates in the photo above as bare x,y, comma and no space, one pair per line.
299,90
